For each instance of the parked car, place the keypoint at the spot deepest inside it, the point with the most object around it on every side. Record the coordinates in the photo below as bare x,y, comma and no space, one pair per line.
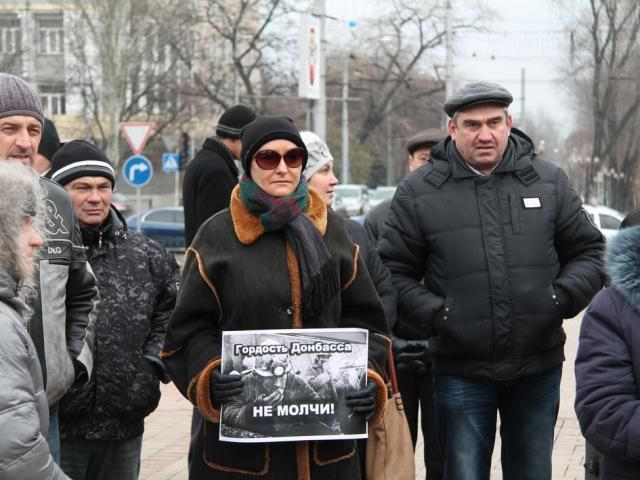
606,219
165,225
379,194
351,199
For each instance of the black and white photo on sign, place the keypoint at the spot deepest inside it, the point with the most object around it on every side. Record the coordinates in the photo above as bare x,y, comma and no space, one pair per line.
295,384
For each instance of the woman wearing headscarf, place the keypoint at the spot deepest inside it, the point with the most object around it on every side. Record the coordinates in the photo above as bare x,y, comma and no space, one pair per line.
24,412
275,259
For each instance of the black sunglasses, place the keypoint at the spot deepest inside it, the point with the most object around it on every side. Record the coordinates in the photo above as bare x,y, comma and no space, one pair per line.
270,159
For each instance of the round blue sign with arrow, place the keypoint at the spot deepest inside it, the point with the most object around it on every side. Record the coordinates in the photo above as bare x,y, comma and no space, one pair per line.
137,171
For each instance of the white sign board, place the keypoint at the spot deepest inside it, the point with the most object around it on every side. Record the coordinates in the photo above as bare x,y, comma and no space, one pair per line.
309,76
136,134
295,384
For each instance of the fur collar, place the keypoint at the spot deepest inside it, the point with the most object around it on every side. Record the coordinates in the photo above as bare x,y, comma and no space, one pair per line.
622,260
248,227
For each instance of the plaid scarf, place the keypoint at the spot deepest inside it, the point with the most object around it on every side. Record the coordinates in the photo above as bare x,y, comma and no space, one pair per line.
319,278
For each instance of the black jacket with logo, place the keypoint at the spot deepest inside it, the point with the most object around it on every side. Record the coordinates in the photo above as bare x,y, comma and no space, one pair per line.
66,303
504,257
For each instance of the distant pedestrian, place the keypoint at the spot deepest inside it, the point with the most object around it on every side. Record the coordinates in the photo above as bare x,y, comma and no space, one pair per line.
102,422
212,174
411,350
24,415
49,144
608,360
489,249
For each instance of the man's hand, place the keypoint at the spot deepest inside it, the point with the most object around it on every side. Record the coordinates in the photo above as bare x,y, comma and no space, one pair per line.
412,356
363,402
224,387
274,398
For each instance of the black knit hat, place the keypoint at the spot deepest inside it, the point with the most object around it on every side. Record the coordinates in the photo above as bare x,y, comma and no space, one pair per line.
264,129
233,120
18,98
77,159
50,141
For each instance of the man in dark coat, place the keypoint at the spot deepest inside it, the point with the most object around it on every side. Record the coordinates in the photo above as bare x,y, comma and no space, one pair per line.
212,174
506,253
413,362
102,422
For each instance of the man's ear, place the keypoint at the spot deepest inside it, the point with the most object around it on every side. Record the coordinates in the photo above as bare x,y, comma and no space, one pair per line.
452,128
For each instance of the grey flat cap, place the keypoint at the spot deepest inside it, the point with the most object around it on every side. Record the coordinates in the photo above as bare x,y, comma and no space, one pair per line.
427,137
477,93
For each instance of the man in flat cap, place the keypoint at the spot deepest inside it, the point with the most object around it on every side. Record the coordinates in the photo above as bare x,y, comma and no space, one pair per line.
411,350
212,174
506,253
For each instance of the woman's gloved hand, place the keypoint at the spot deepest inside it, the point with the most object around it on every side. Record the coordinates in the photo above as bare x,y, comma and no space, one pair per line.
363,401
225,386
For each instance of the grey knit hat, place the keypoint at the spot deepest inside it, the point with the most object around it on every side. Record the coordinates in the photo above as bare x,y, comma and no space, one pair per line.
18,98
319,154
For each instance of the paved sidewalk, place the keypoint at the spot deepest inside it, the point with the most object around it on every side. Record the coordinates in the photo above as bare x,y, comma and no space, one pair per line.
166,438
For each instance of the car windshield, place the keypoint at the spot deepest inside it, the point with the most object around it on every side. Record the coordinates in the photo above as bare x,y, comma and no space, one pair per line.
382,193
165,216
348,192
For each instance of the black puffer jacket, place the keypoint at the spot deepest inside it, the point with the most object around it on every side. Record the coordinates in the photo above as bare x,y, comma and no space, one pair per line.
504,258
138,287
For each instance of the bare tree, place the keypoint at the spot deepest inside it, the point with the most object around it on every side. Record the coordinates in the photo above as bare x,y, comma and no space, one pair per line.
606,78
231,47
124,69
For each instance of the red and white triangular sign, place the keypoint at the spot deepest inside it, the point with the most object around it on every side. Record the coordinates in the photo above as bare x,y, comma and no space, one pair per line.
137,134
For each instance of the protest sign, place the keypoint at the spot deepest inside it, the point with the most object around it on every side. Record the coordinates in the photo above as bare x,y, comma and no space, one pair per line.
295,384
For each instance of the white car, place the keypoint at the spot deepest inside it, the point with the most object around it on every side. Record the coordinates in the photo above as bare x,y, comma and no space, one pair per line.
379,194
606,219
352,199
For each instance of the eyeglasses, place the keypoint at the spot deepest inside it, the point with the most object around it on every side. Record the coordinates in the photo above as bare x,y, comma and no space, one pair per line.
270,159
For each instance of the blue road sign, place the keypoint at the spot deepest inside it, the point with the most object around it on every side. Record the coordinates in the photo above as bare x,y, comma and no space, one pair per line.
137,171
170,162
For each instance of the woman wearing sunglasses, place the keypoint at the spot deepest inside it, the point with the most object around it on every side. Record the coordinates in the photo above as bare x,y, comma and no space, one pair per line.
277,258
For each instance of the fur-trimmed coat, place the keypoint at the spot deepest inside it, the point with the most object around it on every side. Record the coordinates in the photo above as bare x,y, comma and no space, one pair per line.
608,362
237,277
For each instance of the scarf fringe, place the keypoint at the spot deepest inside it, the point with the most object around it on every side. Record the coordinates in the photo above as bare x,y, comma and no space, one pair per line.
322,287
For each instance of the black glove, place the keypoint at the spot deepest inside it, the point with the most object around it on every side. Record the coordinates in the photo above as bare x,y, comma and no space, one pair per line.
225,386
411,356
363,402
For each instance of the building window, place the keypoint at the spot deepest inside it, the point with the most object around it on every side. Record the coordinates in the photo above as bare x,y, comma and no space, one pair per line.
10,40
50,35
51,40
53,100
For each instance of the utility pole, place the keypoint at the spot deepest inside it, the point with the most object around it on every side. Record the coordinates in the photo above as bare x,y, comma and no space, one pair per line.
320,105
345,121
390,169
522,84
449,55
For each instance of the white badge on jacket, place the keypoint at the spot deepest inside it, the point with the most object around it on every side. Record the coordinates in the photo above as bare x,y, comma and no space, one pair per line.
532,202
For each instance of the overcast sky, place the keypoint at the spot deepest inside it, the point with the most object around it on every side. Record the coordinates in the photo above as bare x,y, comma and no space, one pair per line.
528,35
